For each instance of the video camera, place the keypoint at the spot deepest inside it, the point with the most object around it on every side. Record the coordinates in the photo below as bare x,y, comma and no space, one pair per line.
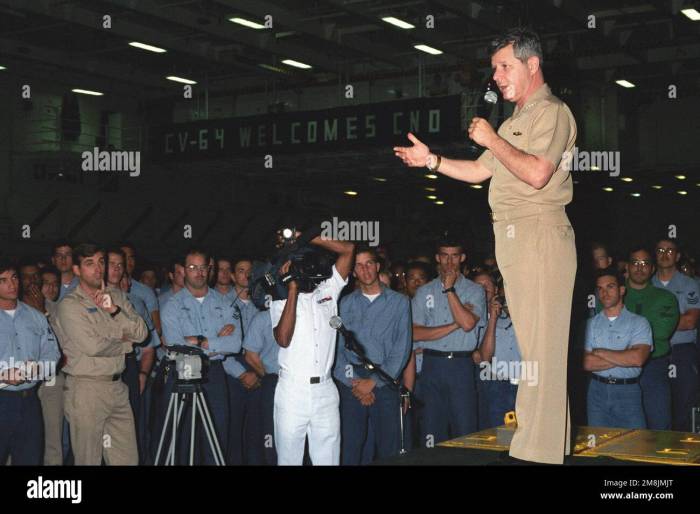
189,361
309,267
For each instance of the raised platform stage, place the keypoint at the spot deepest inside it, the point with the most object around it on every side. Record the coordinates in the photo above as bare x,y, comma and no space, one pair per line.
593,446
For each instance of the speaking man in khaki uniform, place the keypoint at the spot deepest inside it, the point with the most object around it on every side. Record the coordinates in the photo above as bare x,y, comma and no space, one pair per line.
97,326
535,246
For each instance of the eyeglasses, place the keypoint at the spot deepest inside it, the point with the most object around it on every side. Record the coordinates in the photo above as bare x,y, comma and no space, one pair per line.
667,251
193,268
641,264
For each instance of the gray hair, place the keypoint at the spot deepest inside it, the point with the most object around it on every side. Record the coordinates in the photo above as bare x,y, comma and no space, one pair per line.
526,43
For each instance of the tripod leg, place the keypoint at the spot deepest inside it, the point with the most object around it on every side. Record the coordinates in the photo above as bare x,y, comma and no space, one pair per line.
165,428
401,423
194,426
179,406
211,434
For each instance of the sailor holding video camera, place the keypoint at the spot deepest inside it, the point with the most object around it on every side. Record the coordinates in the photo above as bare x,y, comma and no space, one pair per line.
306,398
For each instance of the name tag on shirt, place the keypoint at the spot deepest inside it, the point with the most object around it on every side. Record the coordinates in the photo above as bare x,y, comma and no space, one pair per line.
324,300
91,309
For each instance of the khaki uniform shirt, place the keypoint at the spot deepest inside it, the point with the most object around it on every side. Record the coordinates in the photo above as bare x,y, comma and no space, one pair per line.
543,127
93,342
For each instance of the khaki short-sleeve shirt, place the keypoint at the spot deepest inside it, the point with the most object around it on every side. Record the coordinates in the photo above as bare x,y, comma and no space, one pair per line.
543,127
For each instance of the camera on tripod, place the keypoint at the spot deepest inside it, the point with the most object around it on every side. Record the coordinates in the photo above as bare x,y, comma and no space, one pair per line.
189,361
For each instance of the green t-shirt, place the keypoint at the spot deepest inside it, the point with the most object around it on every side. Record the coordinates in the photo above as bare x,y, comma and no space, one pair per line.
660,308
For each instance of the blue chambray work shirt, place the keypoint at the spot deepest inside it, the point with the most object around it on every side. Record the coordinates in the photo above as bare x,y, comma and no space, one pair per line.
383,328
27,336
625,331
153,341
430,308
183,316
260,339
507,349
687,292
145,293
245,309
64,289
243,313
164,297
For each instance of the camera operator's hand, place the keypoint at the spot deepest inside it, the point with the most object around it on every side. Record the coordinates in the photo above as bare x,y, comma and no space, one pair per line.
227,330
285,268
249,380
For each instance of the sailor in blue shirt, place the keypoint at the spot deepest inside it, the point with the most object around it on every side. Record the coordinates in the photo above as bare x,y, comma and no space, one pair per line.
176,275
199,316
685,382
448,313
498,358
28,354
141,290
245,429
62,259
380,320
617,345
261,351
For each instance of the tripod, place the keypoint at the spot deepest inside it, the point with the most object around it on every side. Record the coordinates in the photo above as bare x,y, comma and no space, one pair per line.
183,392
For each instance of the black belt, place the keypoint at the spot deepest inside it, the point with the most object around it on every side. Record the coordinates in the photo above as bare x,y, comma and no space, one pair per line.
615,381
98,378
447,355
24,393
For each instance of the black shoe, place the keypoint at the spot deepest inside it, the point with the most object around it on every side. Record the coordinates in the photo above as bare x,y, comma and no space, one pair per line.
506,460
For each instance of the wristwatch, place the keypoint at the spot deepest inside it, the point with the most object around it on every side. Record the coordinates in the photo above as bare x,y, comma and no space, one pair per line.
449,290
200,340
114,314
433,162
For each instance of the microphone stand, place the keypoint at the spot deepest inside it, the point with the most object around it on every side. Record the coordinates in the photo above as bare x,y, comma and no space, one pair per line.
403,393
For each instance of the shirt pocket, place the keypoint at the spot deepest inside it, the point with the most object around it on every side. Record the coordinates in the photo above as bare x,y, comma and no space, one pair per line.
30,341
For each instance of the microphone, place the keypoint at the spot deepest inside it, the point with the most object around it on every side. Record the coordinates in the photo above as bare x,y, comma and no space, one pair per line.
484,108
336,323
487,101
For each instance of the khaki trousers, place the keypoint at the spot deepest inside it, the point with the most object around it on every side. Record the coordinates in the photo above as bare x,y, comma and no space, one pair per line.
101,422
536,255
51,397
